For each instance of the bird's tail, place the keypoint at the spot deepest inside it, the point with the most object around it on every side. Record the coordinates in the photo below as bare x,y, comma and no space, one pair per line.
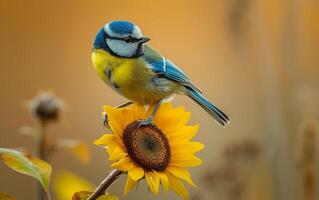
210,108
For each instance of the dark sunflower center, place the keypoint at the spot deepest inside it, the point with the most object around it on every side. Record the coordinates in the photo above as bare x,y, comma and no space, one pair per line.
147,146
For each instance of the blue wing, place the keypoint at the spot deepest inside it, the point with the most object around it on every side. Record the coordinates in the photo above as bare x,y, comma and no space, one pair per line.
165,68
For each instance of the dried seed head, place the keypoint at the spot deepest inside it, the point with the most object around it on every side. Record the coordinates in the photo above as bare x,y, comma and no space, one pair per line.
46,107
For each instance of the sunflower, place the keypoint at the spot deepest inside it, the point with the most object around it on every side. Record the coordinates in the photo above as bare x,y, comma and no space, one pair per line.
159,152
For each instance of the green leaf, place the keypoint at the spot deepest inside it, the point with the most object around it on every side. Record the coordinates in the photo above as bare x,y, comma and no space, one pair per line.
4,196
27,165
84,195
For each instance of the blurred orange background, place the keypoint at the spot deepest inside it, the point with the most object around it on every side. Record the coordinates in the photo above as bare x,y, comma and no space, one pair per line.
257,60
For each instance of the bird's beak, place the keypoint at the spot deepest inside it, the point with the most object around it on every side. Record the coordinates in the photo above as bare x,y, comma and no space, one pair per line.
144,39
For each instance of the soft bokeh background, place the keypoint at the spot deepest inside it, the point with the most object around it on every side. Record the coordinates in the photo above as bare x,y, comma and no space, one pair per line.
257,60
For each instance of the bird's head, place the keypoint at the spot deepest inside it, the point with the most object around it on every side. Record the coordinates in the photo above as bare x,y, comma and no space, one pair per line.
121,38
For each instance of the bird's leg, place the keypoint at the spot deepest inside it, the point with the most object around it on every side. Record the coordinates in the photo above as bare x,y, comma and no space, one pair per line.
105,117
149,120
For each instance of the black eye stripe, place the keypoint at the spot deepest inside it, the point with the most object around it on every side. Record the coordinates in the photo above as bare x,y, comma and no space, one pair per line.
126,39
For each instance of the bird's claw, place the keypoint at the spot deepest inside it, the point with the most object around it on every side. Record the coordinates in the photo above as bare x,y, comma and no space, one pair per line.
105,120
144,122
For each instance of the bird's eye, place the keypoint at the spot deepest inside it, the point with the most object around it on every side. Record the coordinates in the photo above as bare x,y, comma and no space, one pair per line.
127,39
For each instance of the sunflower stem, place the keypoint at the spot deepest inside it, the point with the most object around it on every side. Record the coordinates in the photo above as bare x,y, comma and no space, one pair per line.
109,179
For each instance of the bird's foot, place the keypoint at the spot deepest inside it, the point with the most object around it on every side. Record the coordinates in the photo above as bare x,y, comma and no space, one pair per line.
105,120
144,122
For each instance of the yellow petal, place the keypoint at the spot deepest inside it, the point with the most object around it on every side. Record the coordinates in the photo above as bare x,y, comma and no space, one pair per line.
152,180
186,147
124,164
164,181
115,120
119,118
130,184
177,186
109,141
183,133
136,173
138,112
184,160
111,148
110,111
182,115
163,115
127,116
105,140
132,113
168,116
164,109
117,154
181,173
116,127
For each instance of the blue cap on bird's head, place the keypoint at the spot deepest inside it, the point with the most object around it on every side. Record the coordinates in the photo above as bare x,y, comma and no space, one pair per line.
121,27
121,38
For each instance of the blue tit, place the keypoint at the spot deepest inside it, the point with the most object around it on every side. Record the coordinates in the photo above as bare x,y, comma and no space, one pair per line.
137,71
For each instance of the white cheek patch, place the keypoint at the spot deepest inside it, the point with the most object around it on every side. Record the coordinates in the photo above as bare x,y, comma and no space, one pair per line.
122,48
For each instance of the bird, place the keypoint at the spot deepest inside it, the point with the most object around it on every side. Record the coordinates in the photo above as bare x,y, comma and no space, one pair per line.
126,62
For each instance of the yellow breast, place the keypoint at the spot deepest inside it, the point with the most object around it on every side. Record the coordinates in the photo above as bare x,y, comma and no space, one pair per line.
130,77
103,61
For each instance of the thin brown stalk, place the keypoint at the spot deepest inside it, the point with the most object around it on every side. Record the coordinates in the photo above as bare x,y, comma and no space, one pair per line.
42,141
41,153
47,195
309,161
109,179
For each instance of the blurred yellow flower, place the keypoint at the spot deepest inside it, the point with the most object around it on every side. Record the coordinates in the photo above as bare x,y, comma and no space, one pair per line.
77,147
67,183
4,196
159,152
